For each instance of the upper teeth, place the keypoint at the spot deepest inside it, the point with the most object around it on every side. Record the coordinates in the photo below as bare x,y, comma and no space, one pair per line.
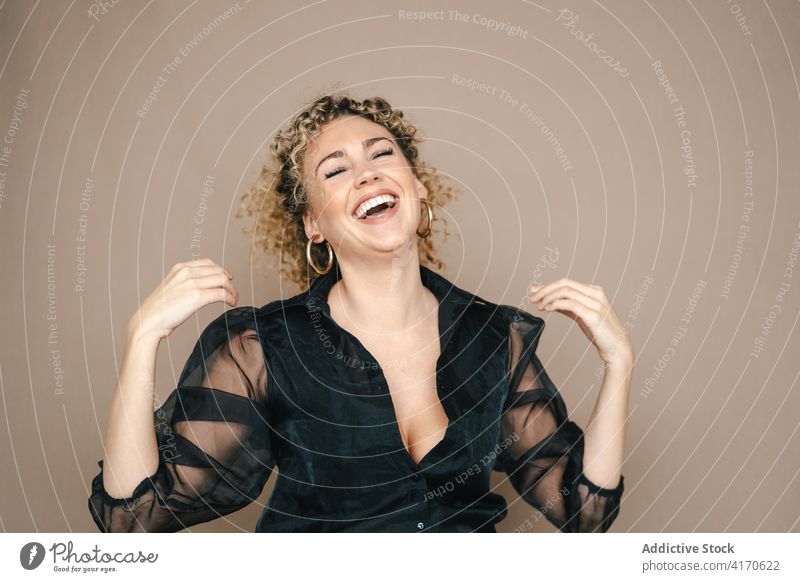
361,211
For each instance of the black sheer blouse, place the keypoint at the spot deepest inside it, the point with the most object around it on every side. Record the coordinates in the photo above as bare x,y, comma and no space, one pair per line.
283,386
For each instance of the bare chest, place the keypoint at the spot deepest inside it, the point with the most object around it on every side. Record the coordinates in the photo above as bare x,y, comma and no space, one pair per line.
409,366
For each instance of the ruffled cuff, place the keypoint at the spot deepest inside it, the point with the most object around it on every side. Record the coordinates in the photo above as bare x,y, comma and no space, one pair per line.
118,514
597,490
99,490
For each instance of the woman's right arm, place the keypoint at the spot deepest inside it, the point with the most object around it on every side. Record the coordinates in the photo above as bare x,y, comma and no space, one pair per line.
131,448
206,451
131,451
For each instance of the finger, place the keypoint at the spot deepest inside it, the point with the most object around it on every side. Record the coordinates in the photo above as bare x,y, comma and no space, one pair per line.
570,293
206,270
582,307
214,294
187,266
574,307
590,290
543,290
567,292
216,280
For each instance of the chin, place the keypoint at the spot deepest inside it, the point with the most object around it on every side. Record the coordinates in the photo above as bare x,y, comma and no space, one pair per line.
390,240
395,245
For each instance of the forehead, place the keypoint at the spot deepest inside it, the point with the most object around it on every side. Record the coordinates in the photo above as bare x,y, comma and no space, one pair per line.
343,132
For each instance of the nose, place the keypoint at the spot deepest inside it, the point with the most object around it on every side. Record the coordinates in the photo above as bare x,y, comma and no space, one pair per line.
367,174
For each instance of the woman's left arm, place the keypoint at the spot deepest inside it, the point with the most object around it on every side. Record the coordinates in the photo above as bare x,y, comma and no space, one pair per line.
605,434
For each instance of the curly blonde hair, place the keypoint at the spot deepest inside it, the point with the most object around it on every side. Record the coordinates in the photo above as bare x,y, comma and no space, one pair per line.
279,197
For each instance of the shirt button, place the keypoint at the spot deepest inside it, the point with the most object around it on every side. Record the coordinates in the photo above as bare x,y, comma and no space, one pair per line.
420,525
415,477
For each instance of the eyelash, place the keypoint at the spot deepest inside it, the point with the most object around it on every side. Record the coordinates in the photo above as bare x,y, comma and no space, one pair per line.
336,171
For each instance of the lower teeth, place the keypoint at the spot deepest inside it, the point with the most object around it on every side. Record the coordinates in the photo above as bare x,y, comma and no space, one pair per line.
377,213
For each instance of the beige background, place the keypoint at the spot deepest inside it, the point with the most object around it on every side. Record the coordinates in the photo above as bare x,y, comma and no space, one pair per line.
713,440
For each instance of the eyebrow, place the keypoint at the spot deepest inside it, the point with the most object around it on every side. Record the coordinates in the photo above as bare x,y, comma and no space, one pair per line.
339,153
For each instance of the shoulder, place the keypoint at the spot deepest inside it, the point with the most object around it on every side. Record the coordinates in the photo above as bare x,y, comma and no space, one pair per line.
278,316
249,321
245,331
498,313
232,327
278,308
506,319
499,318
518,318
250,318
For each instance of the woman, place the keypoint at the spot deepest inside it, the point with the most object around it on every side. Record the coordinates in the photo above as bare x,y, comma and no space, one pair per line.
384,394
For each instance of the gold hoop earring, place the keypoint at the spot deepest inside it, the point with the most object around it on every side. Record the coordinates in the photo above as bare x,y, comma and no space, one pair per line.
311,261
426,233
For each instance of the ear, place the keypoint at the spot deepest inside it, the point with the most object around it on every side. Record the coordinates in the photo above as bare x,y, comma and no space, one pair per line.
310,224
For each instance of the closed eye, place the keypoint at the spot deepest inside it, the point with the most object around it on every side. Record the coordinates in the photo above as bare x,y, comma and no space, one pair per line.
383,152
340,169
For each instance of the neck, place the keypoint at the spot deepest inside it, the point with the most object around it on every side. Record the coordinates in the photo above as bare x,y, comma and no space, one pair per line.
379,295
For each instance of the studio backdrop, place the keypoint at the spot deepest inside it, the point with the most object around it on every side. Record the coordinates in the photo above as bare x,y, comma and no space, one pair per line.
647,147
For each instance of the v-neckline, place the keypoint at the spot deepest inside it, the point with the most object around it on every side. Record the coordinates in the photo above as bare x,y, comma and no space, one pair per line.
446,318
397,435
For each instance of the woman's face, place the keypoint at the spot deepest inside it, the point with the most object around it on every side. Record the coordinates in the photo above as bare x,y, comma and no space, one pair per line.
349,162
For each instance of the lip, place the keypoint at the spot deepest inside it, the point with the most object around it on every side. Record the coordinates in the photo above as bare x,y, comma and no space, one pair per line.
366,197
380,219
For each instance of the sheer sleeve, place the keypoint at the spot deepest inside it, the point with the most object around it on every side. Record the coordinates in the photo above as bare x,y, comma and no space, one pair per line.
541,449
215,447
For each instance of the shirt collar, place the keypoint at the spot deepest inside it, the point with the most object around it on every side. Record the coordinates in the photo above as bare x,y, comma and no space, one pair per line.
453,301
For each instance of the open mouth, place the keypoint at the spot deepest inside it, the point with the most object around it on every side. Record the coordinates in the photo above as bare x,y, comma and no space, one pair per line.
382,205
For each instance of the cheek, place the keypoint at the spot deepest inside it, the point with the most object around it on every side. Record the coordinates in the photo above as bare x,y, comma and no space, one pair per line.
330,203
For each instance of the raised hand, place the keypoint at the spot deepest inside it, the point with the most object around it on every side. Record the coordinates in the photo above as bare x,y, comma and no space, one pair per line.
187,287
589,307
